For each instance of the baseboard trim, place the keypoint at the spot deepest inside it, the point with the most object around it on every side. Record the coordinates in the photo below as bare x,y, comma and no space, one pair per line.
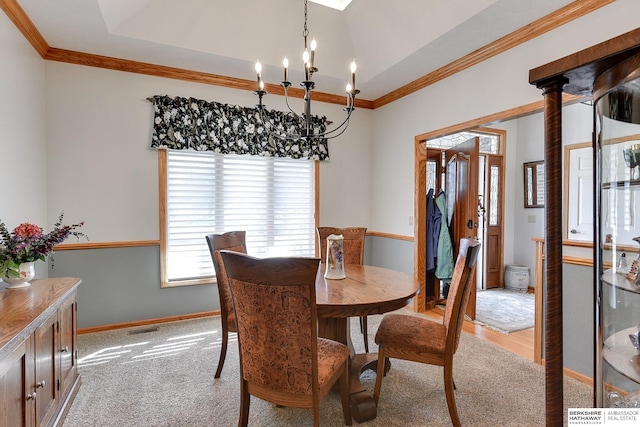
573,374
578,376
147,322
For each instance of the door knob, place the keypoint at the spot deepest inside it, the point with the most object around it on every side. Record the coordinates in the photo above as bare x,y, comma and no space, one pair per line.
574,231
470,224
40,384
31,396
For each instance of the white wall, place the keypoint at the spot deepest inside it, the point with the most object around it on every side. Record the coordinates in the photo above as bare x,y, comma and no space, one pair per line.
577,124
97,167
23,165
102,171
495,85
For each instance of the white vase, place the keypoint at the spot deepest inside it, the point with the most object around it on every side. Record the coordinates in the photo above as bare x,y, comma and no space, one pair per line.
27,272
335,257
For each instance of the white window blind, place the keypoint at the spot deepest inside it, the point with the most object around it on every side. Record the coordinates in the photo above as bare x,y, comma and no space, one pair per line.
272,199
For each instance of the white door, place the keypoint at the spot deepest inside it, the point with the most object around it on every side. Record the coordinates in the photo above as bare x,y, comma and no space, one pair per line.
580,195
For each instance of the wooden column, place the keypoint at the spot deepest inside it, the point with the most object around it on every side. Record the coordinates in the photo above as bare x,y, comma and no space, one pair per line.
552,91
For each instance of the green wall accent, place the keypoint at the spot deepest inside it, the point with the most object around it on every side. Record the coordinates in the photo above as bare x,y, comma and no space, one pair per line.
578,312
123,285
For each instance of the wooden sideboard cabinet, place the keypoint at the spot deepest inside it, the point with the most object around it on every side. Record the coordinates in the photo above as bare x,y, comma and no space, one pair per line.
38,355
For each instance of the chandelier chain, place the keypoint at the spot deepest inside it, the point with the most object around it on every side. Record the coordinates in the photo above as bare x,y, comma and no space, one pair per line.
305,33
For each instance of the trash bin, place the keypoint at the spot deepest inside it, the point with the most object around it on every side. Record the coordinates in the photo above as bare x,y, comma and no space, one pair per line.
516,277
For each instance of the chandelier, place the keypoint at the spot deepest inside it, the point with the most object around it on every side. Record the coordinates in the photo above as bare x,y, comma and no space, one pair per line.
306,127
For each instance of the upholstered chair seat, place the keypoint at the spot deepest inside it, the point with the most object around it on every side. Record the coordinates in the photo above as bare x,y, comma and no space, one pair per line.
420,334
420,339
331,355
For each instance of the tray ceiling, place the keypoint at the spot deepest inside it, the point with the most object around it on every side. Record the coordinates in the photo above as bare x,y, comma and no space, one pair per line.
393,42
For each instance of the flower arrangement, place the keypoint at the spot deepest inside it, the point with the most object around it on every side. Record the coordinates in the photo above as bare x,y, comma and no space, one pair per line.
28,243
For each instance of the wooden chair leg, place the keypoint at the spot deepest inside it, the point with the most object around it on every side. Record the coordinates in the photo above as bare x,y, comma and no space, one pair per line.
380,372
344,393
365,334
245,400
316,413
451,398
223,351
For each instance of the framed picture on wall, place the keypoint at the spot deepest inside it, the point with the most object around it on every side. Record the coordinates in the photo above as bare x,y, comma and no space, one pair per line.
534,184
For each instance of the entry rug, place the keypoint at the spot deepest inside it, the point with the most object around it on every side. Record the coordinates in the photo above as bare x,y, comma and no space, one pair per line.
504,310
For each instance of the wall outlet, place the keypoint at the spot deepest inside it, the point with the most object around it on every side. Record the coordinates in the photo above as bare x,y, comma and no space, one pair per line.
531,218
411,220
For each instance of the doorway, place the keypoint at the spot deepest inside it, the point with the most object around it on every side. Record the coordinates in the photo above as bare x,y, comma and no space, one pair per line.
482,204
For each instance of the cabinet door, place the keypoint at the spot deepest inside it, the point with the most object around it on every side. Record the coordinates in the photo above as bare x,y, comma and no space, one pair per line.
16,395
45,370
67,350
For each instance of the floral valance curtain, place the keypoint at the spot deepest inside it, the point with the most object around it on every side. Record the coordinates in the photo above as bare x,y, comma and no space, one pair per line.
189,123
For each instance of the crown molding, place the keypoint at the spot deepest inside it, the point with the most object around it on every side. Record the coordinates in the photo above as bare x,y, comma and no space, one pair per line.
547,23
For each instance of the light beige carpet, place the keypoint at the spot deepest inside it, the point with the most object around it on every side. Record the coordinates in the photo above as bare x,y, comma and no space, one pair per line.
165,378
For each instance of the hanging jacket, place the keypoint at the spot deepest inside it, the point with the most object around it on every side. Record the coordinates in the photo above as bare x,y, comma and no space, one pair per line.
444,267
433,231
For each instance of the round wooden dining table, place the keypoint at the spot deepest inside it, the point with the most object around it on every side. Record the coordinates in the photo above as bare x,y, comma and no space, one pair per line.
366,290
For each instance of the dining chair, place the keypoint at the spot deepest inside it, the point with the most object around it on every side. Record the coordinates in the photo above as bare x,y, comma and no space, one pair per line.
233,241
282,359
420,339
353,247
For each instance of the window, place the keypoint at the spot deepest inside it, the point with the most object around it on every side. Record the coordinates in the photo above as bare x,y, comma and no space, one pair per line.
272,199
489,143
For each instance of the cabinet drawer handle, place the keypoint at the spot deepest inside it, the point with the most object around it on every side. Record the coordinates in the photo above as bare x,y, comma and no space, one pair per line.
65,350
31,396
40,384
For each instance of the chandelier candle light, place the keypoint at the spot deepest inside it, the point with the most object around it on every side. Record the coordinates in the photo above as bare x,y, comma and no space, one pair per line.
309,69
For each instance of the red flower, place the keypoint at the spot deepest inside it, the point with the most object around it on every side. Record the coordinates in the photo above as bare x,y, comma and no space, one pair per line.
25,230
28,243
